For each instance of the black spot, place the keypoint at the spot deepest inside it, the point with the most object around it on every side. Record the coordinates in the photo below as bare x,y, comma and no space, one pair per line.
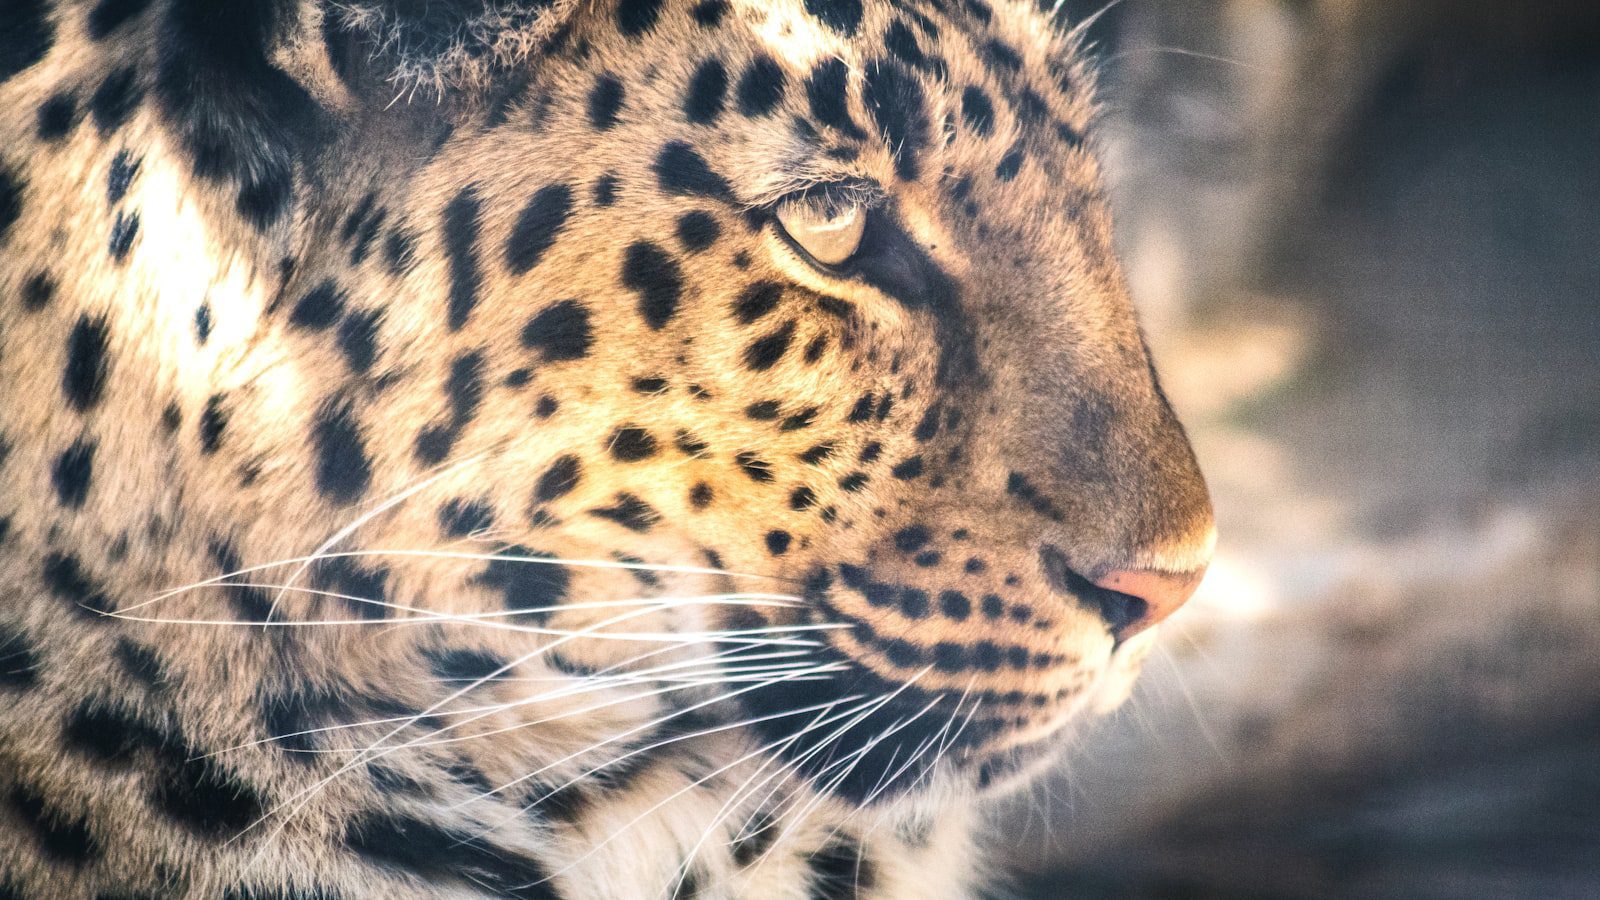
546,407
843,16
1001,55
64,576
829,100
908,469
10,201
911,538
435,854
319,308
648,270
853,482
559,332
540,222
681,170
765,353
901,41
949,657
108,734
778,542
928,425
400,251
109,15
1070,135
434,443
993,607
343,469
955,605
839,871
895,99
701,495
460,232
630,512
1018,485
62,837
697,231
84,377
631,444
38,289
460,518
709,13
756,301
761,87
252,604
1031,107
763,410
914,603
708,90
862,411
605,101
1011,163
756,468
57,116
635,17
527,585
980,10
73,473
977,111
123,230
213,422
558,480
755,839
200,794
202,323
464,387
358,339
19,659
986,655
115,99
456,664
817,454
605,190
802,498
649,386
141,663
800,420
25,35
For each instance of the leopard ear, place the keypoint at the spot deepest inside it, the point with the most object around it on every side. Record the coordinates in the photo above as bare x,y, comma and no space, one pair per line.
435,47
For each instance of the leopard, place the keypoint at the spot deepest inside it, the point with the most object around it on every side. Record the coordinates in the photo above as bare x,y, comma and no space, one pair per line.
560,448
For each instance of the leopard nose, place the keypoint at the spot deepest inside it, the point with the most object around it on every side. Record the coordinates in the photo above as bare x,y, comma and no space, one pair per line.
1141,599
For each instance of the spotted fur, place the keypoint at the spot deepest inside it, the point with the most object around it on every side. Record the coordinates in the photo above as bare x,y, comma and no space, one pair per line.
427,469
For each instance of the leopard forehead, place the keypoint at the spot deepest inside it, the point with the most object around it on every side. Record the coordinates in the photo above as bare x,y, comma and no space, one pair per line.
481,315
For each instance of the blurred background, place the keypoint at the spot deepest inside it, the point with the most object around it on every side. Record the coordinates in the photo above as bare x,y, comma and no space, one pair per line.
1365,237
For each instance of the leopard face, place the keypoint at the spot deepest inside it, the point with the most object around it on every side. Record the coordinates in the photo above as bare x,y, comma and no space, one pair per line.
497,341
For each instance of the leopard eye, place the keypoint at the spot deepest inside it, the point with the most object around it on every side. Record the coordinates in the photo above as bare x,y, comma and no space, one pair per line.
829,233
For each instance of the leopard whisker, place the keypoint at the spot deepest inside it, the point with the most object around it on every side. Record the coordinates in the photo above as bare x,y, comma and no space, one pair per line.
816,723
571,687
300,798
616,737
368,516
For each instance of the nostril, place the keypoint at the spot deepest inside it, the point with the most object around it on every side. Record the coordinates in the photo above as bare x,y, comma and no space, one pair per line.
1161,593
1120,611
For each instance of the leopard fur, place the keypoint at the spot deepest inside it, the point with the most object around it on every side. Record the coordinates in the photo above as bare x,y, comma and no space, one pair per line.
427,469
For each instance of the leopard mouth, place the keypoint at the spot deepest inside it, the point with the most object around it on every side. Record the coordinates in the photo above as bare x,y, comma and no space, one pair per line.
865,739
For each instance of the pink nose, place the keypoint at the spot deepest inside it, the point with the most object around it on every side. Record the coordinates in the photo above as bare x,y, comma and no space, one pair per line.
1161,593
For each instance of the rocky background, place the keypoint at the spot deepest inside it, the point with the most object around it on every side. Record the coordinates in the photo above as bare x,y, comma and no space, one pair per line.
1365,235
